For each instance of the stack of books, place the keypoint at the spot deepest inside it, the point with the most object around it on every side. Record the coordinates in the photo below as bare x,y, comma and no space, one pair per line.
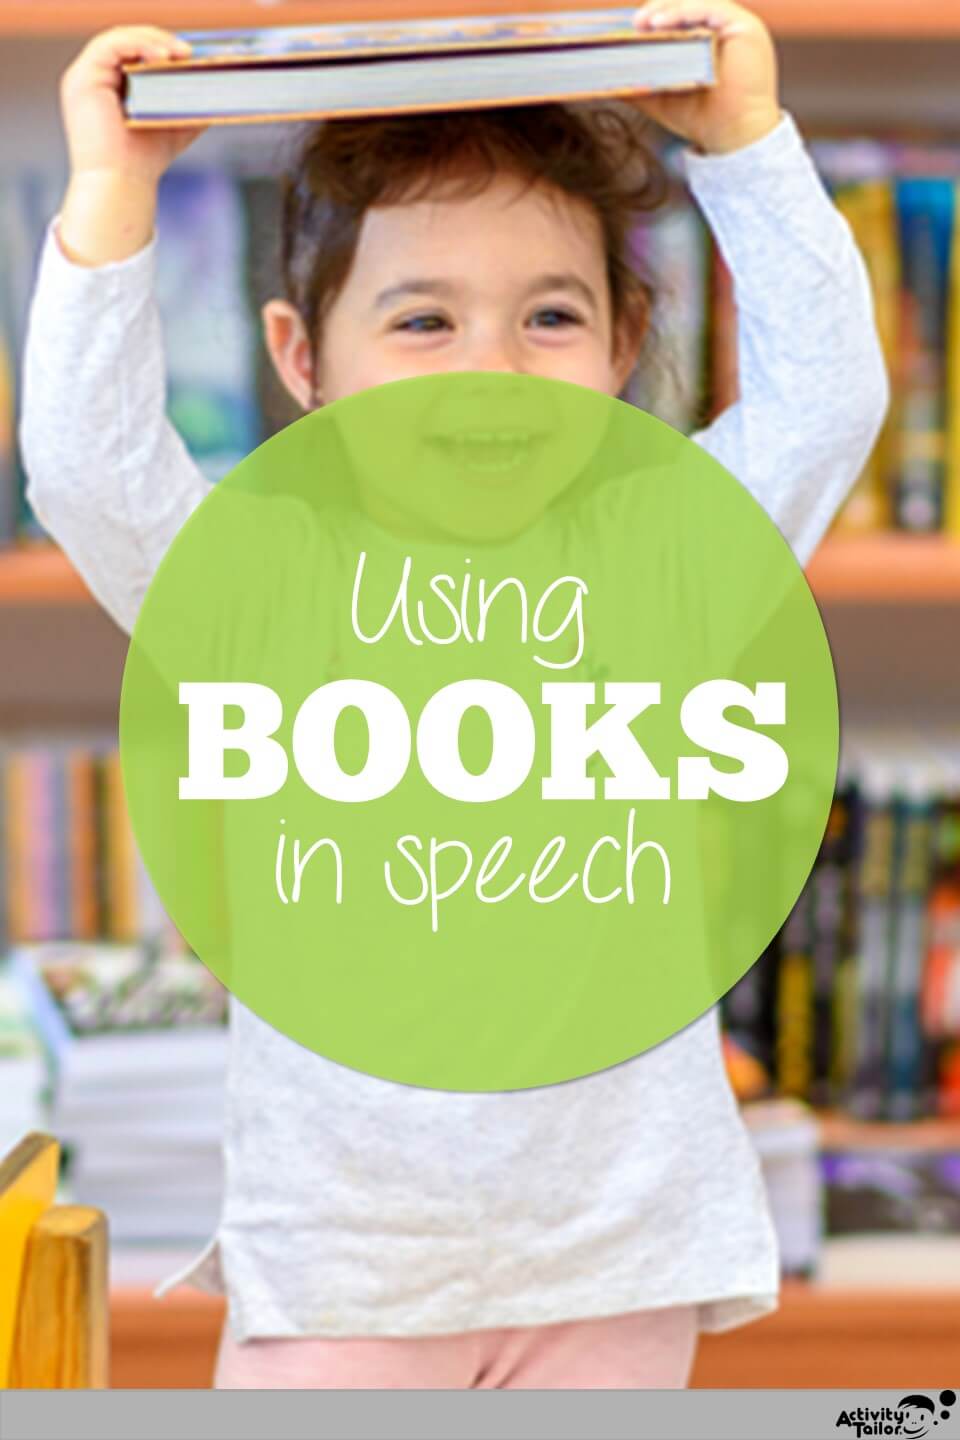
136,1046
786,1136
22,1068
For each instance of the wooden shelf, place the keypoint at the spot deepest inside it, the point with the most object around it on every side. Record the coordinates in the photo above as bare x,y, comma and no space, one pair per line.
895,568
843,1131
38,575
909,568
819,1337
859,18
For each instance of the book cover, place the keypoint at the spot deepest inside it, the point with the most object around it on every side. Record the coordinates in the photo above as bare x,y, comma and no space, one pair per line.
354,39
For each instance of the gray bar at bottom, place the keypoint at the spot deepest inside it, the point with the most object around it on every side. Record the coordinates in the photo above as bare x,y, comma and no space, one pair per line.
479,1414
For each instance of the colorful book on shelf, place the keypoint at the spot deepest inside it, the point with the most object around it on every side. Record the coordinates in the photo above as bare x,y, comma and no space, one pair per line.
905,1041
794,1002
875,881
829,886
300,72
869,208
952,497
926,212
940,996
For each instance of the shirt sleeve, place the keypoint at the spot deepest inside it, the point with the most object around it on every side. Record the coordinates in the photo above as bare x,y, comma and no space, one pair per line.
108,476
813,386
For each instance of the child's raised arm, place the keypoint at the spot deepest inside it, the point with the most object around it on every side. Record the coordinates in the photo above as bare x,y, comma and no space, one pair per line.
108,476
813,388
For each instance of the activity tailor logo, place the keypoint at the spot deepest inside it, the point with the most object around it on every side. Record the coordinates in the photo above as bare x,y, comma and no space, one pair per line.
915,1415
479,731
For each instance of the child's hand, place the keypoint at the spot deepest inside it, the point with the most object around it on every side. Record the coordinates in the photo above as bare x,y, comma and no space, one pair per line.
90,99
109,209
742,105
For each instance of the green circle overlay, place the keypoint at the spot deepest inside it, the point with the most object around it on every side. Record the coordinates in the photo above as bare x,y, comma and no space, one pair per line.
523,899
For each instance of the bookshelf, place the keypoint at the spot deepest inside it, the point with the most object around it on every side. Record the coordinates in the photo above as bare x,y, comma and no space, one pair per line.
873,18
875,569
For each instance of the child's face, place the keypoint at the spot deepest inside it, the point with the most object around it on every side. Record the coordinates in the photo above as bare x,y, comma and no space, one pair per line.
512,279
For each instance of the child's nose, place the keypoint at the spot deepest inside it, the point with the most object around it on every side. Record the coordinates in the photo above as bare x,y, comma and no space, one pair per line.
495,353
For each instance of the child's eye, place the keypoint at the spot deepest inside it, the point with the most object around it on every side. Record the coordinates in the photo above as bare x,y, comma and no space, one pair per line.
555,317
424,324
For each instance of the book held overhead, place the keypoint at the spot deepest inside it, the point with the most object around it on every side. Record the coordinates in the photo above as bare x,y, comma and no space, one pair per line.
301,72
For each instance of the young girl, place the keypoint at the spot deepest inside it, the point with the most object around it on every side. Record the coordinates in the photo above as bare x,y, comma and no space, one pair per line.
376,1234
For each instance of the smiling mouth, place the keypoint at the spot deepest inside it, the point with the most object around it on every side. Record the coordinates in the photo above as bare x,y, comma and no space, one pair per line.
488,453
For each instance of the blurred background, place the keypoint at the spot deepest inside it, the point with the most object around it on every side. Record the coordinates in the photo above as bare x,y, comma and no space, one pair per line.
843,1042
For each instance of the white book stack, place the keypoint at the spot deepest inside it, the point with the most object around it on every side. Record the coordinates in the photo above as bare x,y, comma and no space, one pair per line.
787,1139
137,1049
22,1068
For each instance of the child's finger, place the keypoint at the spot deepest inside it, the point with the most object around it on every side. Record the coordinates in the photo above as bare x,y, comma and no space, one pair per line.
141,42
98,64
669,14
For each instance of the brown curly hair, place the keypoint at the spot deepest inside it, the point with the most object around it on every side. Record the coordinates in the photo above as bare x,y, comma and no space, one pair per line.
594,153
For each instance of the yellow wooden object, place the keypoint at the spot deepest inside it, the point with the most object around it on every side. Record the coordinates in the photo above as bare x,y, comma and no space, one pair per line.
60,1342
28,1183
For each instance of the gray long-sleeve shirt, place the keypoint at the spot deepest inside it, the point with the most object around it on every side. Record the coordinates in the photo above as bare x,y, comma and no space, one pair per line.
636,1187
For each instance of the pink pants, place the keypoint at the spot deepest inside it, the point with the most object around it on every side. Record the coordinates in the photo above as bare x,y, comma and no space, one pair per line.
647,1349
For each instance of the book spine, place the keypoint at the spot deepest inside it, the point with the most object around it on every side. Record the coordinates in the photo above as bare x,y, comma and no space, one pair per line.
940,991
4,853
829,884
869,208
81,844
47,1015
952,505
16,831
925,208
905,1040
794,1054
866,1094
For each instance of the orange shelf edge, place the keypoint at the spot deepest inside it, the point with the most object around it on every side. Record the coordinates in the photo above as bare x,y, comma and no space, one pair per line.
874,18
868,569
878,568
839,1131
40,574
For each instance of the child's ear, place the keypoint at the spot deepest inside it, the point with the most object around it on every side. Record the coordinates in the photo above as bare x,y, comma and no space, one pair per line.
290,350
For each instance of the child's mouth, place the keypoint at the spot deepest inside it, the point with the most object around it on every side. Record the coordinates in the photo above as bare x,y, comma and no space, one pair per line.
488,454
